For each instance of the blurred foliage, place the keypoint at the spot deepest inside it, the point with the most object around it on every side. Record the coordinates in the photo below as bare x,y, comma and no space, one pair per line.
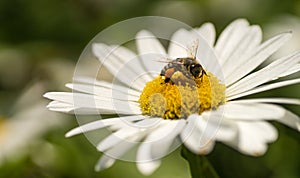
36,33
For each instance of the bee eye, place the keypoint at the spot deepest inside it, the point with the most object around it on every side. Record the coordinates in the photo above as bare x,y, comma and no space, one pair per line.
195,69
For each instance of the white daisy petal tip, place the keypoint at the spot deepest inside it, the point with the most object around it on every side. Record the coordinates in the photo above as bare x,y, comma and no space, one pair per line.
273,136
254,137
203,149
104,162
147,168
63,110
298,126
97,47
73,132
287,35
260,150
69,134
47,95
48,106
239,21
148,44
207,148
144,33
101,51
69,85
256,153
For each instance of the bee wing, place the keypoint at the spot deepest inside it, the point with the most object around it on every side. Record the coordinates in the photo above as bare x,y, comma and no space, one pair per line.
167,61
192,49
163,60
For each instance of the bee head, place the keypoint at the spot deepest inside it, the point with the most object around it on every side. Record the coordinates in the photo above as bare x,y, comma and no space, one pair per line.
195,69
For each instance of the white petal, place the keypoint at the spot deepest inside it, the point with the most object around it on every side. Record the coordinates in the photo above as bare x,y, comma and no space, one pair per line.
182,39
104,162
112,86
254,136
90,102
264,75
115,138
150,49
230,38
269,100
264,88
156,145
292,70
148,43
81,110
58,104
207,58
178,44
117,152
121,148
163,139
217,126
249,40
127,132
196,139
252,111
69,110
102,92
119,64
159,141
255,58
147,168
101,124
145,163
208,32
133,65
290,119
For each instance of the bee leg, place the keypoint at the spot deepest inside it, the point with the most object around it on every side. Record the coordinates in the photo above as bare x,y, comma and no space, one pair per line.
167,80
201,75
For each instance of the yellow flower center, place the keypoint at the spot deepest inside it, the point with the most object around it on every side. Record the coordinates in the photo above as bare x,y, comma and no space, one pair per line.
175,101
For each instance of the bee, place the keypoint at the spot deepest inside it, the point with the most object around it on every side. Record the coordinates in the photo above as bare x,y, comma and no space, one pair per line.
183,70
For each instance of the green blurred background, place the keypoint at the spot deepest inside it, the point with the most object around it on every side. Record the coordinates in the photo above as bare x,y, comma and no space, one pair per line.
40,43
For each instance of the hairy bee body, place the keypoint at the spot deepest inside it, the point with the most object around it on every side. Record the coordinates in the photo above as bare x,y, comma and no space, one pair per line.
188,68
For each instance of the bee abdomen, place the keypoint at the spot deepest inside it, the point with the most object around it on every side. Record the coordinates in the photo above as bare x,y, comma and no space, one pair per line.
168,66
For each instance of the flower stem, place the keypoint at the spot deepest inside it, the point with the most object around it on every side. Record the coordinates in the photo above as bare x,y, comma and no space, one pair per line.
200,167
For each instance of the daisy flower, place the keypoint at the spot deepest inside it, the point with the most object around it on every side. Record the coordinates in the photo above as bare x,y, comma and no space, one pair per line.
20,131
195,99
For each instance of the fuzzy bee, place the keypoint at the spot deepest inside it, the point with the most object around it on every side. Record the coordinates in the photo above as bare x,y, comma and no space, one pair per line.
183,70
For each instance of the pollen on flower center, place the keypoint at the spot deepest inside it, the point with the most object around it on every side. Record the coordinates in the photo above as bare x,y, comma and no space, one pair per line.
175,101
